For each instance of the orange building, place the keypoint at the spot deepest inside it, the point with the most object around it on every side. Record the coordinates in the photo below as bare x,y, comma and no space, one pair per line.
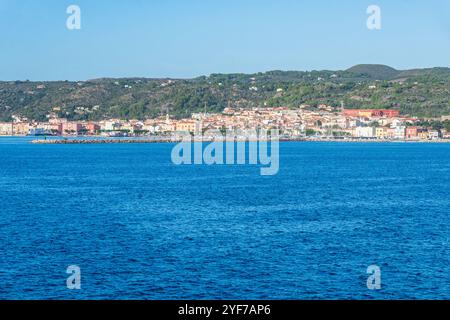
92,128
411,132
71,128
367,113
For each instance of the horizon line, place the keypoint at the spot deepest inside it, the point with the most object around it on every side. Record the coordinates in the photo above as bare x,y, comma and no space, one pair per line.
219,73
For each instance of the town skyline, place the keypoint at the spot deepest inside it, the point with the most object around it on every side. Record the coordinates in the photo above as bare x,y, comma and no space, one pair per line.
325,122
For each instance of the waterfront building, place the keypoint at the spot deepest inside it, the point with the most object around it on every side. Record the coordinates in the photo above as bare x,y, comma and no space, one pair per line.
445,134
364,132
93,128
37,132
399,132
127,126
381,132
21,128
390,133
6,128
433,134
422,134
71,127
411,132
111,125
52,128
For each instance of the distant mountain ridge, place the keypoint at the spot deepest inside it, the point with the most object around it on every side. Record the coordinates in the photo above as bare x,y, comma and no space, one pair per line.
419,92
383,72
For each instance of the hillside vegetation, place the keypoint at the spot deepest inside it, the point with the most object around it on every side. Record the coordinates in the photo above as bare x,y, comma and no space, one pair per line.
419,92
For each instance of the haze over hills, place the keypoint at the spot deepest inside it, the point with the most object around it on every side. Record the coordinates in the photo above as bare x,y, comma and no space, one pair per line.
418,92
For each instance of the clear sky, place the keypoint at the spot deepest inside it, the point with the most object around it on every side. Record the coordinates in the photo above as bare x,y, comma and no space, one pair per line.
188,38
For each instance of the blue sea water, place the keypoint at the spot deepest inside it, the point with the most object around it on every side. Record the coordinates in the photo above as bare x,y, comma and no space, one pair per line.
140,227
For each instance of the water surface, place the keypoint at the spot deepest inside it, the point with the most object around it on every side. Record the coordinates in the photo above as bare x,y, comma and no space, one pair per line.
140,227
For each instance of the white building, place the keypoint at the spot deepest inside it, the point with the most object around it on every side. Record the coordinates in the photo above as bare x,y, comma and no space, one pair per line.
399,132
364,132
433,135
110,125
6,128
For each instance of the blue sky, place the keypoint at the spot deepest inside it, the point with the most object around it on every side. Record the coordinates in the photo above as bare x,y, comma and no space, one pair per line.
188,38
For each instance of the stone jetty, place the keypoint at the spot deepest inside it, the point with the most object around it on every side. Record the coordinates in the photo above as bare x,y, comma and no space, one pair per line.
98,141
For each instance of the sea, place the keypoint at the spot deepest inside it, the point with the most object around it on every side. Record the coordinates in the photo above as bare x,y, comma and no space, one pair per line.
138,226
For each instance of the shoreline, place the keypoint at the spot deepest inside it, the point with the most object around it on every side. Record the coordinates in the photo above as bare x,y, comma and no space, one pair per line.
169,140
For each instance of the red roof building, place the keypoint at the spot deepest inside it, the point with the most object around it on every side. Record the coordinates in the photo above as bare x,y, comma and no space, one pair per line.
389,113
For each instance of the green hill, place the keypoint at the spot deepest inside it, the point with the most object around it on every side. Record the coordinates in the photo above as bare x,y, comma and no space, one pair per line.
375,71
419,92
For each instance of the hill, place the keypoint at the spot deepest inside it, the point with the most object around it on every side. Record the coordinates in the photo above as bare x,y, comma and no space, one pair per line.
375,71
419,92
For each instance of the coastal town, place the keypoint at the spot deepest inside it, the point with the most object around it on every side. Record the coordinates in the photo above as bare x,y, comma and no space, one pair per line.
324,122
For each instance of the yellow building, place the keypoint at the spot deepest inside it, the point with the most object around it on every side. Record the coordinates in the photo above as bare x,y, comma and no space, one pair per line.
365,114
422,134
381,133
186,125
21,128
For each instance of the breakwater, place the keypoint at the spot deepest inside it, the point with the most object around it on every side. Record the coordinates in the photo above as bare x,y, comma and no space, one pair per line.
175,140
99,141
